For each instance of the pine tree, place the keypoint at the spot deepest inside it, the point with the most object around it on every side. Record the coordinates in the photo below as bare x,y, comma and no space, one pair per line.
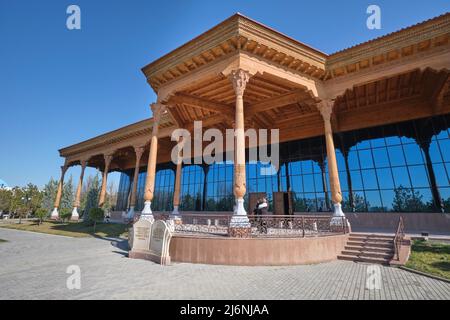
49,194
92,194
68,194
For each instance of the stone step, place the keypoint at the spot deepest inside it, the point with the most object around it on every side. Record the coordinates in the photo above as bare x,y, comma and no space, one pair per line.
371,249
356,234
382,261
372,244
370,239
369,254
371,236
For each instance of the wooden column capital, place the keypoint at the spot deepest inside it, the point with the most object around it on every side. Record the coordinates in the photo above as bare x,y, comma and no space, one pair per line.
108,158
83,164
158,109
239,79
325,108
139,150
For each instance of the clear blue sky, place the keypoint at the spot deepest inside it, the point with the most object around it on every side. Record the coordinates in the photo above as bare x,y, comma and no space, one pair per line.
59,87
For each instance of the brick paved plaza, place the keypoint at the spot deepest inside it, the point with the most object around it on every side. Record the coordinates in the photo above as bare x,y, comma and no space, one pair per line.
33,266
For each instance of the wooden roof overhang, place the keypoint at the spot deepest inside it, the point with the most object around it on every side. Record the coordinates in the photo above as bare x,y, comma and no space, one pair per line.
193,80
120,143
398,77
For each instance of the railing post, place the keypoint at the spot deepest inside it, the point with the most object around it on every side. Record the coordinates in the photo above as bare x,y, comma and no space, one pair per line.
303,226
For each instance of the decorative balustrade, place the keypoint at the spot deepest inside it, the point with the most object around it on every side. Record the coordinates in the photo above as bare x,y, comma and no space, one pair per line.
261,226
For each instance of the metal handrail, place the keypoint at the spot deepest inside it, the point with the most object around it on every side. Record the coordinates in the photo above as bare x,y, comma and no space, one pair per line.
262,225
398,239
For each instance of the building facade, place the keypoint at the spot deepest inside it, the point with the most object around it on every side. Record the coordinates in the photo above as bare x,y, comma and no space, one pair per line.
364,129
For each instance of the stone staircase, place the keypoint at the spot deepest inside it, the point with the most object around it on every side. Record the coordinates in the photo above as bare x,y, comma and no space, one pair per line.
370,248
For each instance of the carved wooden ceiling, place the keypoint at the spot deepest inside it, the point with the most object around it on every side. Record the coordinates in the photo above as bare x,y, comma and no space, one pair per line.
273,101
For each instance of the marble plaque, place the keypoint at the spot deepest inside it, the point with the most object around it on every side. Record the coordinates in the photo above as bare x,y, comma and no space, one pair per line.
142,231
160,241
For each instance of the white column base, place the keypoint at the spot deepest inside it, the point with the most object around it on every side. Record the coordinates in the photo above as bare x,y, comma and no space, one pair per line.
338,217
75,216
338,210
146,213
55,214
239,218
130,214
175,215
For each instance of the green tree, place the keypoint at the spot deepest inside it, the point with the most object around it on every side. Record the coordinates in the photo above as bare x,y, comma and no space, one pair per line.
358,202
447,205
33,197
90,195
68,194
49,194
25,201
65,214
96,215
111,198
407,200
17,203
41,214
5,200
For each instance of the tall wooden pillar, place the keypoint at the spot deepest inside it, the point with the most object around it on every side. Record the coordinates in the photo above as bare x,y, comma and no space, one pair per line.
157,110
108,158
75,216
239,224
326,109
55,213
175,215
437,199
324,184
138,150
205,168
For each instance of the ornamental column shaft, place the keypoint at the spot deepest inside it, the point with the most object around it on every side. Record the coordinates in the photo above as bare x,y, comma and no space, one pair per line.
75,216
138,151
239,224
157,109
101,200
55,213
177,187
326,109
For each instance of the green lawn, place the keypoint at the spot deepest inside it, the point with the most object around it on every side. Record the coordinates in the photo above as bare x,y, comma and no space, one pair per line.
430,257
72,229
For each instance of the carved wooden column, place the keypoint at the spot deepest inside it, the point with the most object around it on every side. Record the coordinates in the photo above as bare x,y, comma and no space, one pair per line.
424,144
76,204
101,201
205,168
239,224
324,184
55,213
139,150
175,215
326,109
157,109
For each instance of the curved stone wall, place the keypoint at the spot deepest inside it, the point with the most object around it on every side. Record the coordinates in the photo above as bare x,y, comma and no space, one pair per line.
256,251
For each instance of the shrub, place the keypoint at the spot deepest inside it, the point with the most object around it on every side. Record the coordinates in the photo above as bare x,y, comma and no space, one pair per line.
41,213
96,215
65,214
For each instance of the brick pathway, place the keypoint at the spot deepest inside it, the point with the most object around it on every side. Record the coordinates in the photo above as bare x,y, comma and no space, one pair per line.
33,266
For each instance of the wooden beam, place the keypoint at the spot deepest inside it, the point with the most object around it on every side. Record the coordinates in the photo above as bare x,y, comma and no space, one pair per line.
275,102
175,116
224,109
207,121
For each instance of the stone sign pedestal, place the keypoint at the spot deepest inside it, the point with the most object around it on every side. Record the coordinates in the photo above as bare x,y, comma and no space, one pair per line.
150,241
140,239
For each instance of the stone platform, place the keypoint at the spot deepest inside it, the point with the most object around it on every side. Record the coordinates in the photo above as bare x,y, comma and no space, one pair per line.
259,251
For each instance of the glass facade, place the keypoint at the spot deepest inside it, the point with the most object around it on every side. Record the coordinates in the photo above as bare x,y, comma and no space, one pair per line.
401,167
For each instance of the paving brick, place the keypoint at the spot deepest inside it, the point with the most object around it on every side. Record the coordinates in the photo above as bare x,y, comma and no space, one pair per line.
33,266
